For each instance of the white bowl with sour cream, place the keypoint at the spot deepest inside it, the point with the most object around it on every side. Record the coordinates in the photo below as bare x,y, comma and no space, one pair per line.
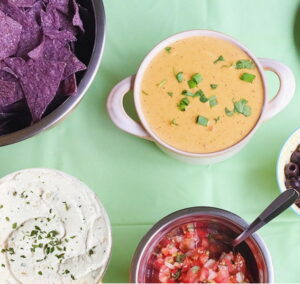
53,229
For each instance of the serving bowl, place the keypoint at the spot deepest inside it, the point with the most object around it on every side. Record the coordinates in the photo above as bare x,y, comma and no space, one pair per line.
288,148
258,255
143,130
88,49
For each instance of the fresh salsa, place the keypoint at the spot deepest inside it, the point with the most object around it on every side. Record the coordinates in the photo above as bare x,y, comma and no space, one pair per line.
192,254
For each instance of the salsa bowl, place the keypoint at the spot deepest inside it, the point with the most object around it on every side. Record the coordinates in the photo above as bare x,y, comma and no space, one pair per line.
144,130
88,49
254,249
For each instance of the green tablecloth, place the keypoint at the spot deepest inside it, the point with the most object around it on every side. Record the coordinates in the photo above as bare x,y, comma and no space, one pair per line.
137,183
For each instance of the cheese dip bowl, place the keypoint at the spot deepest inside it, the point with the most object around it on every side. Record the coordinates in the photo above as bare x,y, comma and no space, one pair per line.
53,230
200,95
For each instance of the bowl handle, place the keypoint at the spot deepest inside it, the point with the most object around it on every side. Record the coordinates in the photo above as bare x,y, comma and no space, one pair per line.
286,90
117,112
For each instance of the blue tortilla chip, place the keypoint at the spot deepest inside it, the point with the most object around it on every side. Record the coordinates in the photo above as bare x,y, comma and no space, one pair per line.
69,86
57,50
10,33
7,93
23,3
40,81
77,22
61,5
14,12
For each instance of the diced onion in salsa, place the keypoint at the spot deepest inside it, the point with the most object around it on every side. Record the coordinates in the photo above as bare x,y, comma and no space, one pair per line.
191,254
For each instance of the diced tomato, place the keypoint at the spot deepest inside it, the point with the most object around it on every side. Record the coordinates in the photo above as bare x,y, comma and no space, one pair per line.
189,255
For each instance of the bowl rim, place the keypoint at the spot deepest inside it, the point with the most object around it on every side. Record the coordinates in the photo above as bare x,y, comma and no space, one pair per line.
62,111
280,166
191,211
170,40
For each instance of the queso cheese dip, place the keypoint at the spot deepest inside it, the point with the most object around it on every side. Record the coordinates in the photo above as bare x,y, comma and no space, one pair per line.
202,94
53,230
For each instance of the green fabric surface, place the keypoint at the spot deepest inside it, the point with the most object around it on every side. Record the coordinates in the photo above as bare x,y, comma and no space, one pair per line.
137,183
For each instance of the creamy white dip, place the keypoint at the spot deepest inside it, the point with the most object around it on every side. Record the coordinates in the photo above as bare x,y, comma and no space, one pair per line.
53,229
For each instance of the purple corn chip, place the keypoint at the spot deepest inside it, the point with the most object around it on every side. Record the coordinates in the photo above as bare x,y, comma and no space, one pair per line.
56,50
14,12
69,86
77,22
7,93
23,3
61,5
40,81
10,33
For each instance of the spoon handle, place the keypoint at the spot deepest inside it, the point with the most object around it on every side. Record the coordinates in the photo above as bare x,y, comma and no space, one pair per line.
281,203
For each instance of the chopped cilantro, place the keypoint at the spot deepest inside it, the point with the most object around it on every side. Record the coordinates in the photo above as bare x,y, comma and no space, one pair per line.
242,107
244,64
14,225
173,122
170,94
213,86
220,58
40,273
247,77
168,49
229,112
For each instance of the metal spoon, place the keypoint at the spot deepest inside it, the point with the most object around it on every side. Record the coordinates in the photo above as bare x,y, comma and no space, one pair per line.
280,204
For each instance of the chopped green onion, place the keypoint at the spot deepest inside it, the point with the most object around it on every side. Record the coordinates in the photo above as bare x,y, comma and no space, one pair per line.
145,93
197,78
192,84
244,64
182,105
229,112
173,122
179,77
213,86
202,120
187,93
220,58
162,83
168,49
213,101
247,77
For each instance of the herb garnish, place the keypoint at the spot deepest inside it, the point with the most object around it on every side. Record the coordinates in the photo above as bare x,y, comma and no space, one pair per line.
201,95
244,64
229,112
14,226
168,49
145,93
195,80
173,122
7,219
217,119
242,107
213,86
179,77
212,101
247,77
40,273
187,93
170,94
202,120
162,83
192,84
220,58
182,105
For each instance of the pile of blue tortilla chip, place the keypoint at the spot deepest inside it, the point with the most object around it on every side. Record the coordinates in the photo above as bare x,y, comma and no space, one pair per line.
37,60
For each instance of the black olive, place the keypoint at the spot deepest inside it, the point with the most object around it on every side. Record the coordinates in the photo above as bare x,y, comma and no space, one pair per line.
291,170
295,158
293,182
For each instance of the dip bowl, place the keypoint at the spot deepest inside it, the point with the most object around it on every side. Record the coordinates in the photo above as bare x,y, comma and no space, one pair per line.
143,130
88,49
254,249
288,148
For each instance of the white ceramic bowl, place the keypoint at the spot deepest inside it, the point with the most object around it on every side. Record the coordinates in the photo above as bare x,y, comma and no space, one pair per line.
143,130
284,157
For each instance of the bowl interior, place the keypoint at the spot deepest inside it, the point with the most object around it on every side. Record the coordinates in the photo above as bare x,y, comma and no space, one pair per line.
251,249
88,49
288,148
